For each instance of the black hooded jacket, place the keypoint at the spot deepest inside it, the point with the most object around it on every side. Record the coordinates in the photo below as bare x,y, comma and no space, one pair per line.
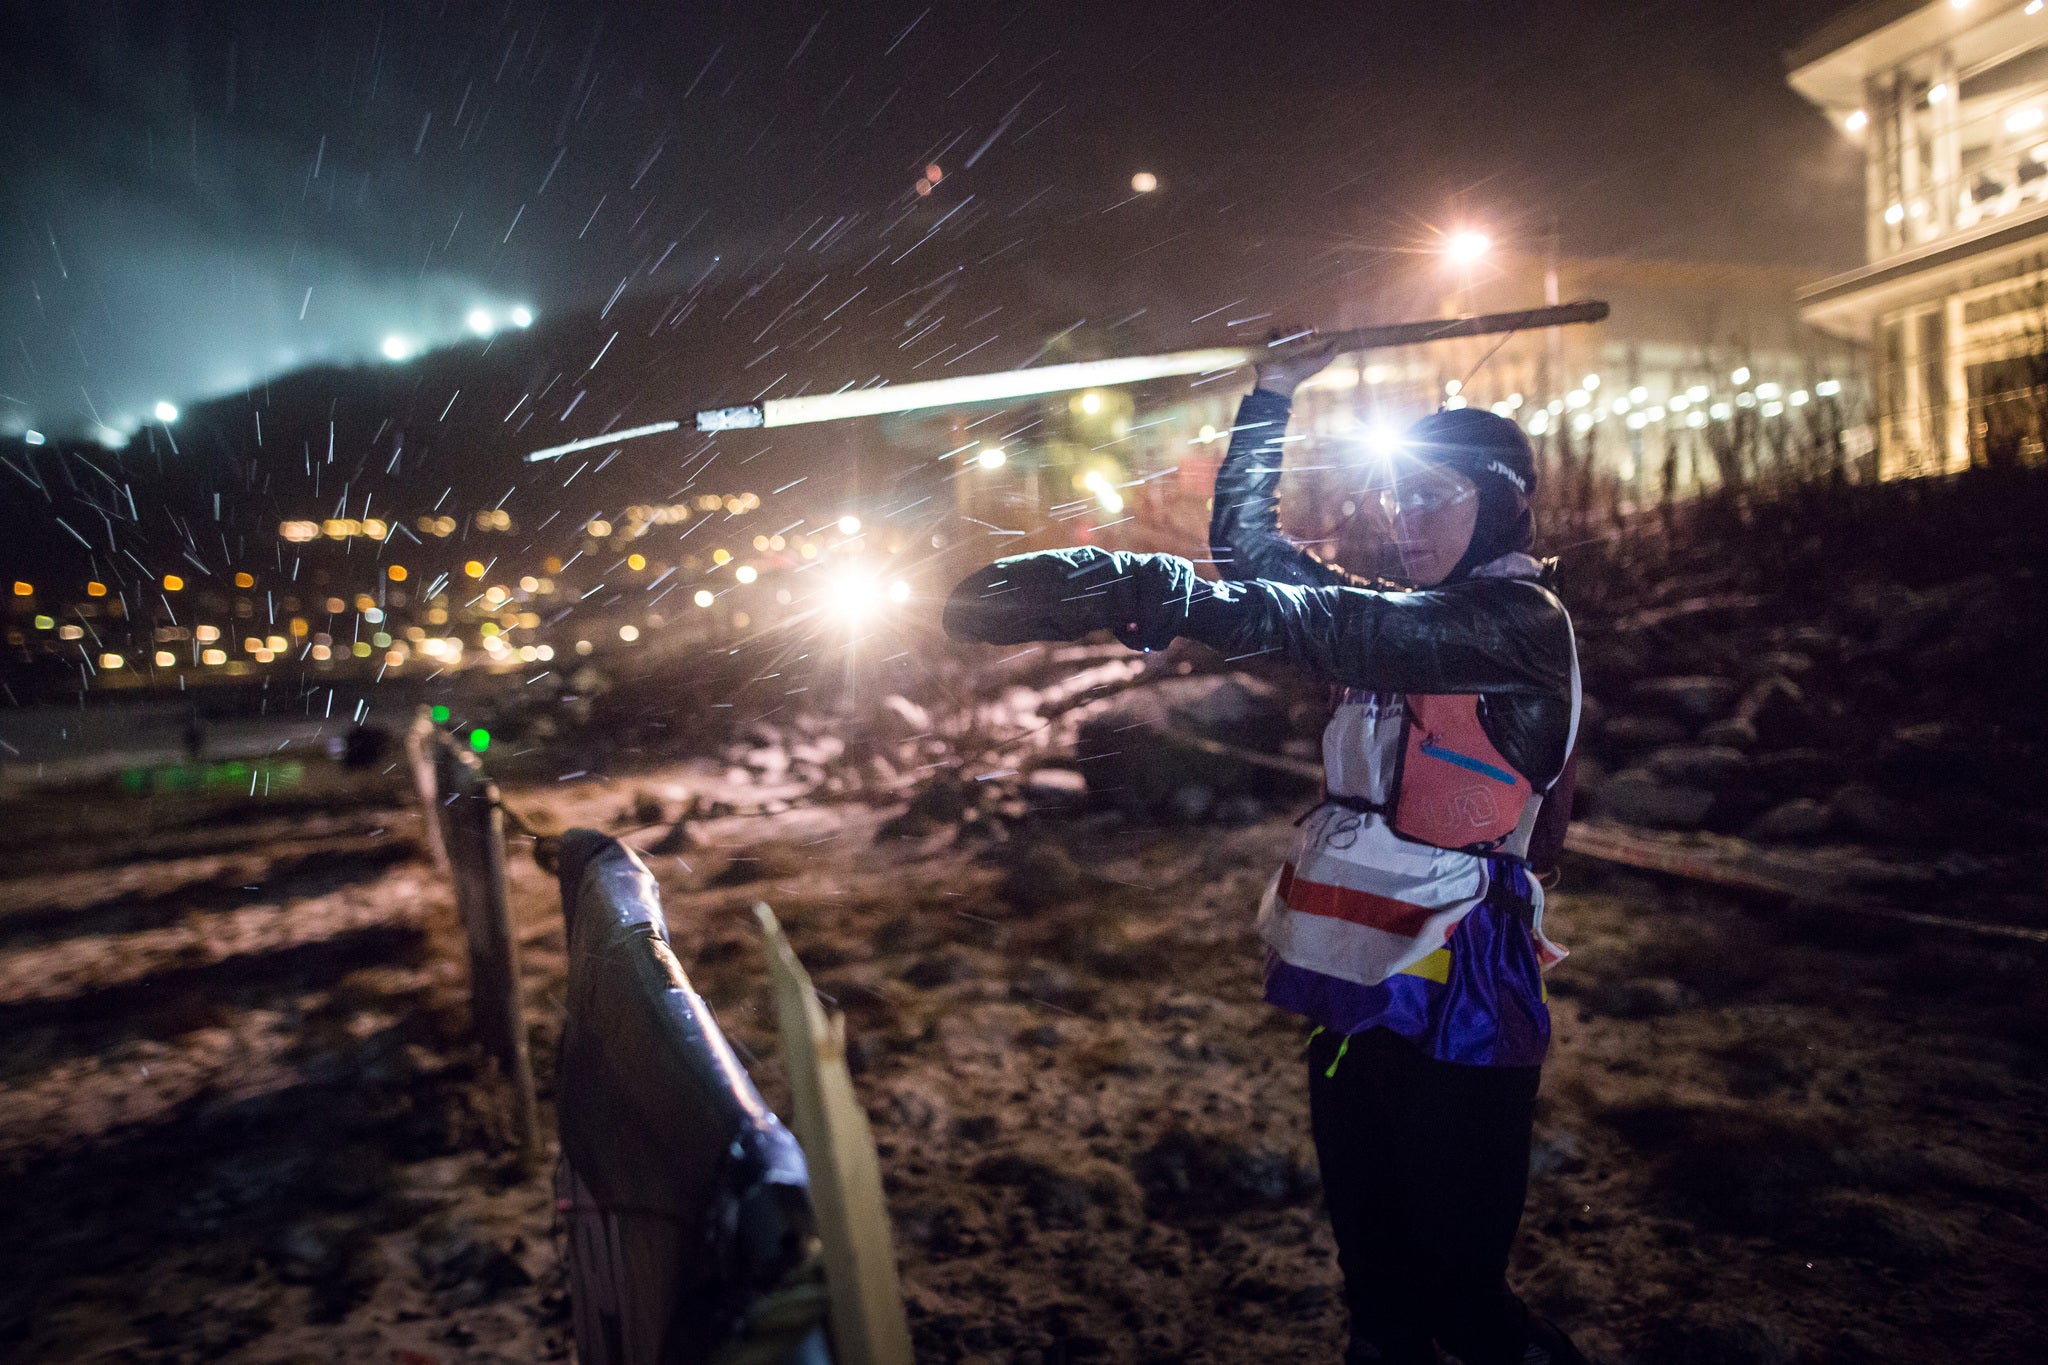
1506,639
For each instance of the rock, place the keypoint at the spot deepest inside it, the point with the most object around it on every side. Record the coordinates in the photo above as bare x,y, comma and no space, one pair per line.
1777,707
1239,810
1785,662
1707,1335
1637,798
1643,997
474,1269
1798,772
1698,765
940,969
1040,875
1800,820
1697,697
899,718
1186,1175
1864,812
1555,1150
938,801
1055,786
1059,1200
1048,983
1869,1227
1592,717
1132,753
306,1253
1731,733
1630,733
1190,803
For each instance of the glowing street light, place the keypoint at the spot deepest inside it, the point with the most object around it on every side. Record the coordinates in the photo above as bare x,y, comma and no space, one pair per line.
397,348
1144,182
480,322
1466,246
166,412
991,458
522,317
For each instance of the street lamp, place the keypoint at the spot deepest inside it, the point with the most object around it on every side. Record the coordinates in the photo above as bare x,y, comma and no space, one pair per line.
1465,246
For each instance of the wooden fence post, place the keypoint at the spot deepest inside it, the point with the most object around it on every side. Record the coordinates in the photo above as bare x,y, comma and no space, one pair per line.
420,746
474,828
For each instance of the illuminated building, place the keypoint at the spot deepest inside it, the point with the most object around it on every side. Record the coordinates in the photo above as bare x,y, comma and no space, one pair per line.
1950,104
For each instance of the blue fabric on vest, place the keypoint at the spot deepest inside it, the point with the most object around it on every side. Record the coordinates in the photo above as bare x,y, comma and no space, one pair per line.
1489,1012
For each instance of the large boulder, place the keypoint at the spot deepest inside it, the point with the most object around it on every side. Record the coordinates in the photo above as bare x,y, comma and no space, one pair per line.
1695,697
1863,812
1779,710
1633,733
1712,767
1636,797
1141,751
1801,820
1799,772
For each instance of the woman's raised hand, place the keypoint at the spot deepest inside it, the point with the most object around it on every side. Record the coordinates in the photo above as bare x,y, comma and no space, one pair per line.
1284,370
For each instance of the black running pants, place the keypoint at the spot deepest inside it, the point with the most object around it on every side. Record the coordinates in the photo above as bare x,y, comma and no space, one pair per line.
1425,1165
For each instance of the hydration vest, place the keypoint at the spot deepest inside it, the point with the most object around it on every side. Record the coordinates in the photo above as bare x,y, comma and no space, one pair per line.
1377,884
1452,789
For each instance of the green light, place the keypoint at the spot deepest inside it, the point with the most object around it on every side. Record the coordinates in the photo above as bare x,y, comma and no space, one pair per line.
479,739
440,715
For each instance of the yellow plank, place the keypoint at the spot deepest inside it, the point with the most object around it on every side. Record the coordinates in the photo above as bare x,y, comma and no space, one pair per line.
868,1323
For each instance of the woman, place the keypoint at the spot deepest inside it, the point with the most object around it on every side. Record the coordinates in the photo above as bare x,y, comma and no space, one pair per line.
1407,925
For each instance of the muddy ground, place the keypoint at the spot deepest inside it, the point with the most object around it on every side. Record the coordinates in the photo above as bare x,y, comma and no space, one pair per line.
239,1118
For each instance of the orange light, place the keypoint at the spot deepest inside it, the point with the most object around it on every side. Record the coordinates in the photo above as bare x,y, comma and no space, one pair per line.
95,589
245,580
551,564
933,173
173,583
636,562
22,589
396,573
474,568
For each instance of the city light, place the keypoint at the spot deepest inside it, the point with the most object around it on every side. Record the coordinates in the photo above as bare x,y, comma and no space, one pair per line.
522,317
166,412
2024,120
479,322
396,347
629,633
1144,182
1937,93
479,739
849,525
23,589
1466,246
32,437
1857,120
173,583
1383,439
899,591
991,458
1091,403
1111,501
704,597
746,573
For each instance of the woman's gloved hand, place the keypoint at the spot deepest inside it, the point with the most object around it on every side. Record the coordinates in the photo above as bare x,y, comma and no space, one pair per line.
1067,594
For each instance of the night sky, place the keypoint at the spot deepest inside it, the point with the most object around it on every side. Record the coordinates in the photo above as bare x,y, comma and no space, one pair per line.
201,197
